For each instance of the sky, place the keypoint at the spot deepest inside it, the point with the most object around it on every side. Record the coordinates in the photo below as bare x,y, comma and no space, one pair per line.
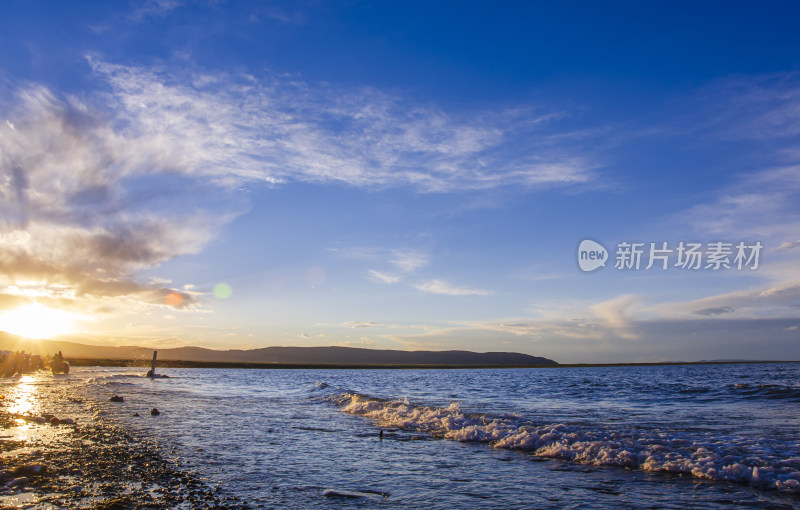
404,175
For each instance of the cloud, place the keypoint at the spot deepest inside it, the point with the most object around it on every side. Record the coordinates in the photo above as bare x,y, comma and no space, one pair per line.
83,206
774,299
595,341
154,8
404,261
759,115
761,108
719,310
616,314
758,112
542,329
761,205
610,320
280,129
275,13
409,261
96,189
788,245
361,324
442,287
378,277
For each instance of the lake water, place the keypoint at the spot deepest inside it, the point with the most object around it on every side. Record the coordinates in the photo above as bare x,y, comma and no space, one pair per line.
700,436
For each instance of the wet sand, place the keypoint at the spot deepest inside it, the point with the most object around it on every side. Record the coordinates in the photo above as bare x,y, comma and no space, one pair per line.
91,463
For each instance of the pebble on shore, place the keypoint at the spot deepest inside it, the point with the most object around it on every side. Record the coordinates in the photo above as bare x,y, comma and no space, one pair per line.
93,465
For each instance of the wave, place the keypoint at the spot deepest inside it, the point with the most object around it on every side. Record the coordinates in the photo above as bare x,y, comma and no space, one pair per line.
768,391
755,461
320,386
106,378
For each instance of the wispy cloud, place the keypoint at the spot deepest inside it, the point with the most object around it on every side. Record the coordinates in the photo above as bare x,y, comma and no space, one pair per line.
442,287
404,261
762,108
409,261
361,324
758,112
788,245
283,15
155,8
771,300
759,205
717,310
616,313
282,129
613,318
379,277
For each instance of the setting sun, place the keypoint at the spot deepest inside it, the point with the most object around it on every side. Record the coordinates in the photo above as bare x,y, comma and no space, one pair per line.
37,321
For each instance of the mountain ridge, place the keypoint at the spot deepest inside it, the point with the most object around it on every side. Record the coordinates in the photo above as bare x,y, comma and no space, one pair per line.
333,355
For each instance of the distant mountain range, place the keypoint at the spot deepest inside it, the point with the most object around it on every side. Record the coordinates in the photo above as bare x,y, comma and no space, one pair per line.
284,355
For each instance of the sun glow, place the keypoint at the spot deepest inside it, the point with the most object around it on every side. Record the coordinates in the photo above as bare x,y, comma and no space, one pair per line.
37,321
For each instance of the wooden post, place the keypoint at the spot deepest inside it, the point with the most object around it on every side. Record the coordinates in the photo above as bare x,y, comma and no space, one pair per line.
152,371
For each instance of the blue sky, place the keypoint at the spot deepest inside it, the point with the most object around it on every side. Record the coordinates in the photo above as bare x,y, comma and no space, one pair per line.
400,175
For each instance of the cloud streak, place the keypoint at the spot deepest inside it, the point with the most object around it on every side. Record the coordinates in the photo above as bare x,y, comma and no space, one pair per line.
384,278
441,287
409,261
280,129
360,324
775,300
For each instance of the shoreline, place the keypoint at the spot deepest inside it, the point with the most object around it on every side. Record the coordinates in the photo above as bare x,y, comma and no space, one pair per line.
90,463
168,363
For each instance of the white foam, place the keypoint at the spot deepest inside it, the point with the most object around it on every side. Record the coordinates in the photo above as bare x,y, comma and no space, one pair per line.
107,377
756,461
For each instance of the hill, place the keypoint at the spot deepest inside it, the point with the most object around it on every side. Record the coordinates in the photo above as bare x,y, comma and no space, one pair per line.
284,355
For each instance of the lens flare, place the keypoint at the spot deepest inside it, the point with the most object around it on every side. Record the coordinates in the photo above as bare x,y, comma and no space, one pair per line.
222,291
174,299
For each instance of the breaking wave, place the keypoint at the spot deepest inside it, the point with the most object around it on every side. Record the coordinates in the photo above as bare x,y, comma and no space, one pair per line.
759,462
115,378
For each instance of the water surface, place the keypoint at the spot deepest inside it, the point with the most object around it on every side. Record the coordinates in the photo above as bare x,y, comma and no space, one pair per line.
705,436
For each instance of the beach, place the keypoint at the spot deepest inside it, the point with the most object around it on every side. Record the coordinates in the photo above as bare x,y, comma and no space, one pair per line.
87,462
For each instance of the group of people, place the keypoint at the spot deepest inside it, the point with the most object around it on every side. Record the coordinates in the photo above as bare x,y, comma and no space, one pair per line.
19,362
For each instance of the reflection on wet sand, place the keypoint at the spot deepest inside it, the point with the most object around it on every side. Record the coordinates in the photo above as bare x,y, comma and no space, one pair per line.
23,398
23,412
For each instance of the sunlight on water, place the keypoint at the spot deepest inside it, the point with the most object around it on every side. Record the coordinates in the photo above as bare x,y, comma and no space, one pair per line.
24,398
